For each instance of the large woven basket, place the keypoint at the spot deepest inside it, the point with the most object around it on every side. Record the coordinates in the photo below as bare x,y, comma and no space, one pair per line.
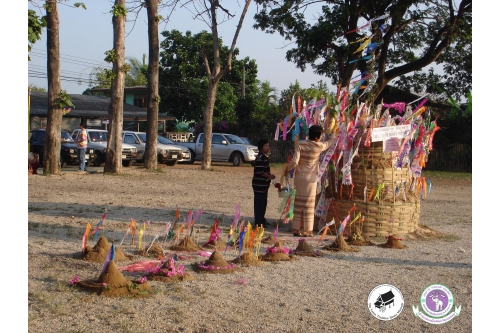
378,216
371,168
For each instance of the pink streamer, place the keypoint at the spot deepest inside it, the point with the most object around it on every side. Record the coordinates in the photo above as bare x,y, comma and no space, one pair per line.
398,106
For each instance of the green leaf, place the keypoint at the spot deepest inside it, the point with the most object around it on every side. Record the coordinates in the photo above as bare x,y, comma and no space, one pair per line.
80,4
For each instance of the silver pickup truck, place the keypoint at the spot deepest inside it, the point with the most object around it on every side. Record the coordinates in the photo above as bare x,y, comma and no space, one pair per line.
97,139
225,148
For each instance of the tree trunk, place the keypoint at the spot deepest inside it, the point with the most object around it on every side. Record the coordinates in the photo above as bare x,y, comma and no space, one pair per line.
214,77
114,149
150,154
206,157
52,148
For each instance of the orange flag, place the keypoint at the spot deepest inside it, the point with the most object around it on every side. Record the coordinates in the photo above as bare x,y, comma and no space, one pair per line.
132,229
86,236
323,234
371,194
177,214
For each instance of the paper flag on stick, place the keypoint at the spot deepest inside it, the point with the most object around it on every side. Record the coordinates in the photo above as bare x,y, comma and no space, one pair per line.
126,233
86,236
198,213
177,214
323,235
154,239
242,236
327,225
110,257
132,229
342,226
97,227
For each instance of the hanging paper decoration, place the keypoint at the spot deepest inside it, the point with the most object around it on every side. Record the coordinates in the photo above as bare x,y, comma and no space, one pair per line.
398,106
277,133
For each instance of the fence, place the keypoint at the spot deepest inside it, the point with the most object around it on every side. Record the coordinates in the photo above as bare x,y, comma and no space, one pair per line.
279,149
454,158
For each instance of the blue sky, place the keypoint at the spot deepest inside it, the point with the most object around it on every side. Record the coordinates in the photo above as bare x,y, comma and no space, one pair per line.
86,34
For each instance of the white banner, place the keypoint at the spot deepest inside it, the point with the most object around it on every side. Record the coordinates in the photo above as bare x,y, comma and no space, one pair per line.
384,133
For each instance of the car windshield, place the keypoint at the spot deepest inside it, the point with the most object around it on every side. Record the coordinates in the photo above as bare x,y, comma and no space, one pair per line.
165,141
65,137
142,136
97,136
234,139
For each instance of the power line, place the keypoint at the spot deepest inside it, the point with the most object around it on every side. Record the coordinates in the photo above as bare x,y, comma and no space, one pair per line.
99,62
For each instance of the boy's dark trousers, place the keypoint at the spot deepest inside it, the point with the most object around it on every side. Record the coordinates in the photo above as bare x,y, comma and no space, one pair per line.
259,208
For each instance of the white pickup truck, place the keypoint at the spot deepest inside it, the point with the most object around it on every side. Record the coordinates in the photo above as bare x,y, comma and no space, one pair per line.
225,148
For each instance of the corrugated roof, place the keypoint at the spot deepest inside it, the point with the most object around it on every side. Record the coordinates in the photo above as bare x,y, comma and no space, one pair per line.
89,107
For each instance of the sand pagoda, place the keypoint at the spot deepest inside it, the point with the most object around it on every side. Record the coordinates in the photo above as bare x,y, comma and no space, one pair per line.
100,250
111,282
358,239
339,244
247,259
393,243
215,264
306,250
277,253
152,249
187,245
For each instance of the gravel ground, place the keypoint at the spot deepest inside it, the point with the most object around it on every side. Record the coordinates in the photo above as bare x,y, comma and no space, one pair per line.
324,294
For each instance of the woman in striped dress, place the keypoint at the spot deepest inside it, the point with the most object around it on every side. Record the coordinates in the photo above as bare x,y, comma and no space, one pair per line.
306,163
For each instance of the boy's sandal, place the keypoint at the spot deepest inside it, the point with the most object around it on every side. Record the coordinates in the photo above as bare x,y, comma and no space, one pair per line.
297,233
307,234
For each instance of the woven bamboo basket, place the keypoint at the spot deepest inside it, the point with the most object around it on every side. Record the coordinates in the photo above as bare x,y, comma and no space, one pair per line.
378,216
371,168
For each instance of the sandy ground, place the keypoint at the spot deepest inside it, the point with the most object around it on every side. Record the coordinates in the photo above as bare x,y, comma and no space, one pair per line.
324,294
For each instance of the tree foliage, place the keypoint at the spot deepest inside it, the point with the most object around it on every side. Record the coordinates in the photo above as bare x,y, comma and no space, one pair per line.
184,82
35,26
414,34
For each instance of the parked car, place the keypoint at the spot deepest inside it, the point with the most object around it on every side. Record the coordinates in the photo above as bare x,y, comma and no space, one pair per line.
167,154
97,139
186,154
69,154
246,140
225,148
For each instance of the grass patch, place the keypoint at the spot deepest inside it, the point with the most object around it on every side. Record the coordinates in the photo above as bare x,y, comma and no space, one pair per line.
451,238
33,225
447,174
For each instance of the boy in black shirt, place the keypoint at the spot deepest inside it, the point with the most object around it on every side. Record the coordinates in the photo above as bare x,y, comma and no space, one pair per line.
260,183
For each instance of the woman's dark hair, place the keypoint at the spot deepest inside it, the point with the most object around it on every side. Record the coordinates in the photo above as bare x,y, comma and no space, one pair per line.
315,132
83,125
261,143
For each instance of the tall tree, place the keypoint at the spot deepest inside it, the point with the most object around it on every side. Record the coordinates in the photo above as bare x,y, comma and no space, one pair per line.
208,10
117,57
52,149
183,77
150,154
389,38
